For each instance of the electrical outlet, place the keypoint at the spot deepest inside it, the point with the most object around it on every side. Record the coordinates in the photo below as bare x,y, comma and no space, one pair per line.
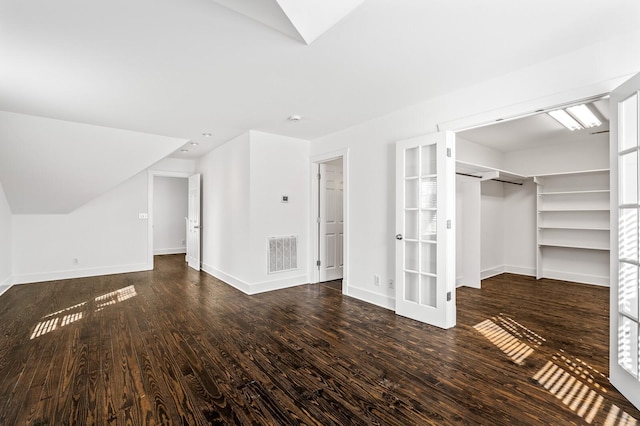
184,242
376,280
143,215
75,260
390,283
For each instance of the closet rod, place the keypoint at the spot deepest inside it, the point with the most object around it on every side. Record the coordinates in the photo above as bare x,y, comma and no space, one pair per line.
480,177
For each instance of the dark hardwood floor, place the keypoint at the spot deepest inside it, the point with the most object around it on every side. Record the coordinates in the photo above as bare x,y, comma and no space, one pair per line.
175,346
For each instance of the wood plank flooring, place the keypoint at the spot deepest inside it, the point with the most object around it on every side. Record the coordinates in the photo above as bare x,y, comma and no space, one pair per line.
174,346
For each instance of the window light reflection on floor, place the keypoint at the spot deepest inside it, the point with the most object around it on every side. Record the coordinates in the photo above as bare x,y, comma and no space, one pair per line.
66,316
509,336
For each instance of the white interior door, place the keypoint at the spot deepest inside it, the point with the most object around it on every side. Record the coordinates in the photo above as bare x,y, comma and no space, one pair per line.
331,228
425,213
193,223
624,347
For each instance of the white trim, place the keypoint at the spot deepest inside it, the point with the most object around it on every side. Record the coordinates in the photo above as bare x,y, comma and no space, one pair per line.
314,275
178,250
382,300
254,288
520,270
79,273
151,174
533,106
492,272
6,284
578,278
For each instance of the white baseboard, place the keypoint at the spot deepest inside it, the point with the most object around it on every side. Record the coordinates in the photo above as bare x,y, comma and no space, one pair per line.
520,270
491,272
79,273
377,299
6,284
578,278
160,252
255,288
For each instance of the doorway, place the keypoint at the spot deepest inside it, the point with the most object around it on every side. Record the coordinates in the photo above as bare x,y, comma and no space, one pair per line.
329,218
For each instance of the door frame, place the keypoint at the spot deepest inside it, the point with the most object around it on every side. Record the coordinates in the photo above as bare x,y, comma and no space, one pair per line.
151,175
314,273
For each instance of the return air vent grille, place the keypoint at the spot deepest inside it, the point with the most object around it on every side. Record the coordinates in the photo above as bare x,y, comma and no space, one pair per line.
282,253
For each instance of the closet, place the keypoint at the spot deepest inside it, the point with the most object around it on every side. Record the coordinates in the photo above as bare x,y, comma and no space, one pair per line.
533,199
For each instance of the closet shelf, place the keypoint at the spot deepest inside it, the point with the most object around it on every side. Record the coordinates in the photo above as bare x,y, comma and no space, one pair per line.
488,173
579,172
573,228
595,191
574,210
573,245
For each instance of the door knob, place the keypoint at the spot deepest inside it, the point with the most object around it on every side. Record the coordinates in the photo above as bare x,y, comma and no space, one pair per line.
398,236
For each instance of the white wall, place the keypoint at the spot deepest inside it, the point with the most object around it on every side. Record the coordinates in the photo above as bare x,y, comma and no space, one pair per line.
491,228
169,212
587,72
519,207
243,181
105,236
5,242
225,209
588,154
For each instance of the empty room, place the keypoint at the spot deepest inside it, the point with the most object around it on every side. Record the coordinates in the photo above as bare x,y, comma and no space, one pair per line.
320,212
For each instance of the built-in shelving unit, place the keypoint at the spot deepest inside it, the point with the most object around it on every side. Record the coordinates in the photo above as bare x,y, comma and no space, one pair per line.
573,226
488,173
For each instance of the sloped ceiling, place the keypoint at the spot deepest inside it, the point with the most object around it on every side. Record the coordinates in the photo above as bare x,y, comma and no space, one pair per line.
304,20
53,167
181,68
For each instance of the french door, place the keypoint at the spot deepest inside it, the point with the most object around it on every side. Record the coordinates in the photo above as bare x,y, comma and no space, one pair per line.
425,213
624,348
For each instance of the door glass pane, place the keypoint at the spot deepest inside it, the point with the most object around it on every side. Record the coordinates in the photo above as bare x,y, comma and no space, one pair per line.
628,345
628,289
411,225
428,190
411,282
428,225
629,178
411,256
428,291
628,122
428,258
411,158
628,234
428,160
411,193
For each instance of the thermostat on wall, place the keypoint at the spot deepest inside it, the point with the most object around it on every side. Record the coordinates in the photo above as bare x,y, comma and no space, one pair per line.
285,199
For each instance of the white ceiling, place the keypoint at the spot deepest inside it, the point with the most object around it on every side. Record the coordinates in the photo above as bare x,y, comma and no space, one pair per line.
536,130
181,68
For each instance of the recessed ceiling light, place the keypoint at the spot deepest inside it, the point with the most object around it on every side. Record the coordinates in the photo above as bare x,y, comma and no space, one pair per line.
565,119
584,115
184,150
295,117
193,143
206,135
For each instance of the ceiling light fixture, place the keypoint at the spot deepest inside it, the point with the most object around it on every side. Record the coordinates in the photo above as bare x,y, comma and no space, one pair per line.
206,135
565,119
193,143
584,115
576,117
294,117
184,150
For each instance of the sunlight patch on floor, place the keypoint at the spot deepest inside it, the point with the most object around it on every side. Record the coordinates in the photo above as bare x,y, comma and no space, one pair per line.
509,336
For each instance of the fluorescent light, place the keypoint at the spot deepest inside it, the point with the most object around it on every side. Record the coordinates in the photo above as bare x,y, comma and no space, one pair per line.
584,115
565,119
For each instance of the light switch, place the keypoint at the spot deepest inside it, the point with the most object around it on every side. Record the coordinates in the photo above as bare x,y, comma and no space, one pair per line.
143,215
285,199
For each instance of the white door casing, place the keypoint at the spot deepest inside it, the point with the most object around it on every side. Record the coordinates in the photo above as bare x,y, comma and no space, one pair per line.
624,348
193,223
331,218
425,233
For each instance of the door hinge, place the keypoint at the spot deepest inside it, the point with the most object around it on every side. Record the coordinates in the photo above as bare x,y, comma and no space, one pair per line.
318,220
449,224
448,296
449,152
319,176
318,263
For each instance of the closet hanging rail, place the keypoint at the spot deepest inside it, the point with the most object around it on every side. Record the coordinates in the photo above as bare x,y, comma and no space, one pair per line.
497,180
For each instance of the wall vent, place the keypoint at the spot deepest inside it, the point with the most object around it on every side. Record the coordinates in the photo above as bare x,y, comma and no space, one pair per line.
282,253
